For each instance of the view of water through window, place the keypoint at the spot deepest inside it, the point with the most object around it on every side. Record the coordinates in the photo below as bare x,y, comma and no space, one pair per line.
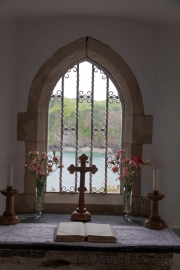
85,117
98,178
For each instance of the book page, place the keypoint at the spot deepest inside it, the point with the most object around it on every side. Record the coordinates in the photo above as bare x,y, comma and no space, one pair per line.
100,232
70,231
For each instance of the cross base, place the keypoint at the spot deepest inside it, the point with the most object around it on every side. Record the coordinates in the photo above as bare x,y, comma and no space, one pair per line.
80,216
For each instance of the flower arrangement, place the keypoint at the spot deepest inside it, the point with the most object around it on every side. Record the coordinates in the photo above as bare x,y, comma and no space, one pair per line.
127,168
41,165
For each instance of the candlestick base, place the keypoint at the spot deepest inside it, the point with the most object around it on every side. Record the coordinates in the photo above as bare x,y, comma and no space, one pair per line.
154,221
156,224
9,220
9,217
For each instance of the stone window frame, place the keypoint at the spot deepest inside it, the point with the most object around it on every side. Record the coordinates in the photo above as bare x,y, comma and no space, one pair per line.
32,125
117,99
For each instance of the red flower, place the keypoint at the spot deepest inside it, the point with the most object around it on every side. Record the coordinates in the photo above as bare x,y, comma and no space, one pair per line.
138,160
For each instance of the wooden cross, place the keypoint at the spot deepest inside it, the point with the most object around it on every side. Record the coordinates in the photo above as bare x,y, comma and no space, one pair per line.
81,213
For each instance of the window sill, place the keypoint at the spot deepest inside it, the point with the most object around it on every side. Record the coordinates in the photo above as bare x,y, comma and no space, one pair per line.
109,204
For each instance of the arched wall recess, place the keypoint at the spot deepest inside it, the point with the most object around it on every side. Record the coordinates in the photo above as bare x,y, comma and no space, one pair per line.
32,124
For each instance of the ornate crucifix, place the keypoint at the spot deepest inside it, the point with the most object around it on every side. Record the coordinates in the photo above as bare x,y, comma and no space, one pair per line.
81,213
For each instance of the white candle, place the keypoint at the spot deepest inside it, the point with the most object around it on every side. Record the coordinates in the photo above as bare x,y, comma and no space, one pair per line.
10,176
155,180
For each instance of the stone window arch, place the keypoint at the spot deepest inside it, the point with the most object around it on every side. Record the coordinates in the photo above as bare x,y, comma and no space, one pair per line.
32,124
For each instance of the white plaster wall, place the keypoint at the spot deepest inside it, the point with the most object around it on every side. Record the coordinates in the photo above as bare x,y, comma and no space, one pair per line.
140,46
153,55
7,101
166,138
135,42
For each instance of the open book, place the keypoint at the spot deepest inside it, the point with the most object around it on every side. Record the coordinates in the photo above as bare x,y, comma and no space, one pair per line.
79,232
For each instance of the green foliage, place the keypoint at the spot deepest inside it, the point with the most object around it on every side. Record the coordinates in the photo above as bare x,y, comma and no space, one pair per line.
84,129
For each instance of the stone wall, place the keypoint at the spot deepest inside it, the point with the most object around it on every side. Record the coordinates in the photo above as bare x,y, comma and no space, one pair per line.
83,260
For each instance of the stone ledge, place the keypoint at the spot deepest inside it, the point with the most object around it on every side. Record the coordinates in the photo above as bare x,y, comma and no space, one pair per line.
43,259
25,203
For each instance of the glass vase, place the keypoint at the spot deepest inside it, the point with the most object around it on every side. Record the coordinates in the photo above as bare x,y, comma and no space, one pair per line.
39,200
127,206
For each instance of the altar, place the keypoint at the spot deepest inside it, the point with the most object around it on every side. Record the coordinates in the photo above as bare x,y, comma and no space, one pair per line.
30,245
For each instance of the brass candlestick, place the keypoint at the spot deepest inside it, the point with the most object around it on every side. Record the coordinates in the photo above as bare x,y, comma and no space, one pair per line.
154,221
9,217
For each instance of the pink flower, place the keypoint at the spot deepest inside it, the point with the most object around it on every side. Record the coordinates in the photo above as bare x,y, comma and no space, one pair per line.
114,169
37,163
56,159
43,174
121,177
49,165
31,166
111,161
133,163
122,151
61,166
129,167
125,173
125,160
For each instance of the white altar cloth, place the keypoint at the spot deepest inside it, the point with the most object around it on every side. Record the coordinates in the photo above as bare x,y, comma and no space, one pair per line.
30,233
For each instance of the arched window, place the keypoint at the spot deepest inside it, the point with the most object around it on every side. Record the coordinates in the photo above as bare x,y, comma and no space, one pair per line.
33,124
85,116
